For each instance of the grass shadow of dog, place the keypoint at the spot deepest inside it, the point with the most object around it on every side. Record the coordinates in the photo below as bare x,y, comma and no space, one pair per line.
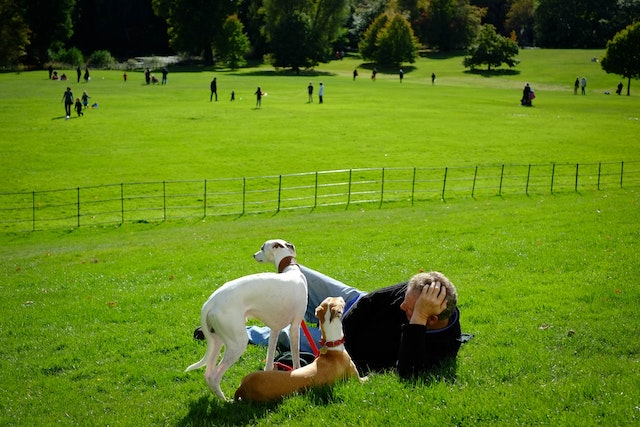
206,412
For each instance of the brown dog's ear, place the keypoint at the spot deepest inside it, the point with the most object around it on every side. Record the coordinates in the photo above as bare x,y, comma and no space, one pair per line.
336,311
277,245
321,311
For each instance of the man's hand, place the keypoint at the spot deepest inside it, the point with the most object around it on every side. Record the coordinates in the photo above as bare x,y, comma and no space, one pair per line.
431,302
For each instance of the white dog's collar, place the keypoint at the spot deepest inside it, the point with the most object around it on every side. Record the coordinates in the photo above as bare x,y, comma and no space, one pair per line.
286,262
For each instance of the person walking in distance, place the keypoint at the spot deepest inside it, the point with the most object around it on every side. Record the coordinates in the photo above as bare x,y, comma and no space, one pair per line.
259,94
67,98
214,89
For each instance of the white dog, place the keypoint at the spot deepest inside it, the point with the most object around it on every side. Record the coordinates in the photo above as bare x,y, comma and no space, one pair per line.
276,299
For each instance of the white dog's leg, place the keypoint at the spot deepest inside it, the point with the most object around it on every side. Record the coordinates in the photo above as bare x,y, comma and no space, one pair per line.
271,350
294,335
232,352
213,351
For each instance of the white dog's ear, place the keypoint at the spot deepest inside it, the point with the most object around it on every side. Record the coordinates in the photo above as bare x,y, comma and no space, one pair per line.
291,247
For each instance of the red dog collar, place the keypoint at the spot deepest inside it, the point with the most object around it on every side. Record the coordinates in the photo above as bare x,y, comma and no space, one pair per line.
332,343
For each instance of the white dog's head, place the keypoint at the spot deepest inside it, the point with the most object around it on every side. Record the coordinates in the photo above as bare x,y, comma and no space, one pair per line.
274,250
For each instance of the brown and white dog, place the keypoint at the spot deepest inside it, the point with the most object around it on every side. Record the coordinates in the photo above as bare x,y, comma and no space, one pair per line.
277,299
333,363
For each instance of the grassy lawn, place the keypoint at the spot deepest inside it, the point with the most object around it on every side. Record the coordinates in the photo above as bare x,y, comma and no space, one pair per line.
173,132
97,321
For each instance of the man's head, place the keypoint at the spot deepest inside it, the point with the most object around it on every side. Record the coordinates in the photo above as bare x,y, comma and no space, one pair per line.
419,281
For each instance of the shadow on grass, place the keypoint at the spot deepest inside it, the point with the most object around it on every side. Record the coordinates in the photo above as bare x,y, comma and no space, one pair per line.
438,55
209,411
286,73
499,72
386,69
447,373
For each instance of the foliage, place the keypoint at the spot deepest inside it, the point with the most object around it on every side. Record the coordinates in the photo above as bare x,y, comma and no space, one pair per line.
623,54
396,43
292,43
368,45
71,56
194,25
496,13
14,33
452,24
233,43
491,49
50,24
101,59
575,24
301,34
363,15
521,19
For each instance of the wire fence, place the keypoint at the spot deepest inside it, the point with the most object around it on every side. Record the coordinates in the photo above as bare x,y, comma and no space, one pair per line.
160,201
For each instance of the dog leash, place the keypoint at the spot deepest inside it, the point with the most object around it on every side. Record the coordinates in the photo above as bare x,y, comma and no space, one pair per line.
283,367
312,343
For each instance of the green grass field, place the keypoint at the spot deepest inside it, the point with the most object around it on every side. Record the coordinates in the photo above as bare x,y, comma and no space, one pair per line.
97,321
173,132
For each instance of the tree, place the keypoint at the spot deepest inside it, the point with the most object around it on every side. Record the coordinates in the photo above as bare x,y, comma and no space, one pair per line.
496,12
521,19
14,32
491,49
50,24
233,43
363,15
194,24
396,42
390,41
300,32
622,55
368,44
574,24
452,24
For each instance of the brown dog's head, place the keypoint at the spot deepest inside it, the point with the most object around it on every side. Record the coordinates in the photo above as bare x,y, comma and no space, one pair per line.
334,306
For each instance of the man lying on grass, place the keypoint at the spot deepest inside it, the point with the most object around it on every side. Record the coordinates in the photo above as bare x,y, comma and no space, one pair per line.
411,327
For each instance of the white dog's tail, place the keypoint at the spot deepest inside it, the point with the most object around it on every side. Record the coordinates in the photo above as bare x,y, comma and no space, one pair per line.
211,345
199,364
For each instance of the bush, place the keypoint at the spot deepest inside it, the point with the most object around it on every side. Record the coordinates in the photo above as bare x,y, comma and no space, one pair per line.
101,59
71,56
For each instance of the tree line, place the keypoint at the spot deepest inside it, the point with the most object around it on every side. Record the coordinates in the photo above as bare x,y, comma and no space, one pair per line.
295,33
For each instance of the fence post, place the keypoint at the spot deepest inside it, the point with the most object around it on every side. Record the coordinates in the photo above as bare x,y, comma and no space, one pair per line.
315,194
621,173
33,209
577,168
501,178
382,188
205,198
599,170
78,207
349,190
526,191
413,186
244,194
164,200
553,172
121,203
473,188
279,192
444,181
